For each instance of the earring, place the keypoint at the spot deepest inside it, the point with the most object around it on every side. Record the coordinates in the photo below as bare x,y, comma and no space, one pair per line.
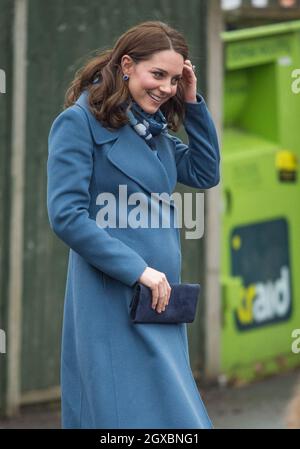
125,77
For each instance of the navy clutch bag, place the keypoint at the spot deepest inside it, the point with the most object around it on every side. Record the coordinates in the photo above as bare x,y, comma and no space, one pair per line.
181,308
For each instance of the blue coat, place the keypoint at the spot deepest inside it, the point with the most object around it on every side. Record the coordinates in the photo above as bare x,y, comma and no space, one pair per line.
116,374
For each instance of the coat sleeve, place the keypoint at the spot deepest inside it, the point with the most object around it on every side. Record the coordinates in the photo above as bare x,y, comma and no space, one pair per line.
198,163
69,168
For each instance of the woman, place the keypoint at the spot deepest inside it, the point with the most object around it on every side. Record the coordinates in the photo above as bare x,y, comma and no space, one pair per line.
114,132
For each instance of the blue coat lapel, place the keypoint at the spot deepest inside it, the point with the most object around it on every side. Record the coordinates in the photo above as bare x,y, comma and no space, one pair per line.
130,154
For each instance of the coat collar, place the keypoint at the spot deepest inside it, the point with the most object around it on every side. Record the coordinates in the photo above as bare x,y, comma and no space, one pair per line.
100,133
130,154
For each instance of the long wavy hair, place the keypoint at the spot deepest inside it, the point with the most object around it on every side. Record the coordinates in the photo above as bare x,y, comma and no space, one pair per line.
106,98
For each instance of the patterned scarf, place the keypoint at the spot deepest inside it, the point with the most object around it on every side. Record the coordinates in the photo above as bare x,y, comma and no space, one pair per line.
147,125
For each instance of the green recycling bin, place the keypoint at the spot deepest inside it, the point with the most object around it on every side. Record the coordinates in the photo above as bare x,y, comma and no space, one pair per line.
260,196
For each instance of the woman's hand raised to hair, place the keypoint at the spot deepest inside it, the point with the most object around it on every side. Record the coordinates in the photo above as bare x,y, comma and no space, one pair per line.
158,283
189,82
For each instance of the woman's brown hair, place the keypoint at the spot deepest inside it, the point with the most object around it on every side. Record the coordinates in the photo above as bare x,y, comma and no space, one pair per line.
107,97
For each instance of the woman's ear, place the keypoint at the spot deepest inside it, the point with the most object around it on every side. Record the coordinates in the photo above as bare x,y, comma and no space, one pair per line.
127,64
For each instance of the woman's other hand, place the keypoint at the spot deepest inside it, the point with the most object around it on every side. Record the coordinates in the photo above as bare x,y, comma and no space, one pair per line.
189,82
158,283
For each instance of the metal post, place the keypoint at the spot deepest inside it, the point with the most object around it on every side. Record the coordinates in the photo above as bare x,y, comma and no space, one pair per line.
212,203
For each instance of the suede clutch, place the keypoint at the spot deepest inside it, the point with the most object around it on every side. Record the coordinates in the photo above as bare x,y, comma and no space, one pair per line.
181,308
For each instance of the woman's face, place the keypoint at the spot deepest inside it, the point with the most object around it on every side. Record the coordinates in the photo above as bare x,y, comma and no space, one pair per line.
153,82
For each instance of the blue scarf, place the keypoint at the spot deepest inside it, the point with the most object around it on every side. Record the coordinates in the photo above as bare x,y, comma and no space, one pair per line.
147,125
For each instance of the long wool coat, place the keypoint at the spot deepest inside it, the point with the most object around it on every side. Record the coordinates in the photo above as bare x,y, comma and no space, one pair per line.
114,373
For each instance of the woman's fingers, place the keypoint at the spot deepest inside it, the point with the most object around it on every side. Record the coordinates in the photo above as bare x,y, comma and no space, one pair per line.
169,292
155,296
160,294
163,295
160,287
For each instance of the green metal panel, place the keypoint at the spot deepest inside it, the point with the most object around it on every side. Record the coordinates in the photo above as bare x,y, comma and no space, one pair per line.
6,17
60,36
261,221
